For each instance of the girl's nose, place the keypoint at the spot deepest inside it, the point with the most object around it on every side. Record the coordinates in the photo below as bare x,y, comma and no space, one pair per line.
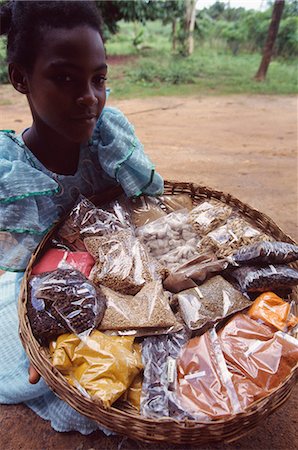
87,99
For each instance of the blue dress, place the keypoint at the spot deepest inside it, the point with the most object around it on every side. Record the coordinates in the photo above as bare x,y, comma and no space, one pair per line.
32,199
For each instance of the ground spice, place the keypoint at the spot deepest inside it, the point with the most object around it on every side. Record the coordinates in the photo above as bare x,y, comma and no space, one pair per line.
148,308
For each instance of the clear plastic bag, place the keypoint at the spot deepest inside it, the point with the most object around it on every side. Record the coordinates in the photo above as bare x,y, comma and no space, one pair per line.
261,279
266,253
54,258
203,306
236,233
64,300
144,210
264,357
209,215
159,354
149,308
272,310
87,220
171,239
122,262
100,366
205,390
194,272
175,202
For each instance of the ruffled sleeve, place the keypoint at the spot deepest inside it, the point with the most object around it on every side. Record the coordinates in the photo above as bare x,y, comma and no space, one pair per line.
122,156
27,210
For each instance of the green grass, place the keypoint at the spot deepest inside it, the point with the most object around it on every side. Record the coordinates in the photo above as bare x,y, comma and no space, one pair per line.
155,70
212,70
202,73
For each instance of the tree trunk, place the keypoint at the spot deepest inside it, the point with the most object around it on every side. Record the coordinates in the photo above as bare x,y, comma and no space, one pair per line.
174,27
190,20
271,37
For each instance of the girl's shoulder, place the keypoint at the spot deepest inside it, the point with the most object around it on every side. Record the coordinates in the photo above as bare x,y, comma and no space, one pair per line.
11,148
112,122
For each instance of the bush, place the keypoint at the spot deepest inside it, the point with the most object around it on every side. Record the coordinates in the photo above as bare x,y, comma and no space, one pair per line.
3,63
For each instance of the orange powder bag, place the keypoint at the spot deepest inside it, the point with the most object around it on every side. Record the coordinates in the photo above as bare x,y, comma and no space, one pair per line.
272,310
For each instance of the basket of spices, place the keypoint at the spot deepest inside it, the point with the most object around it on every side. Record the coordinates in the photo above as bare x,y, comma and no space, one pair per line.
165,319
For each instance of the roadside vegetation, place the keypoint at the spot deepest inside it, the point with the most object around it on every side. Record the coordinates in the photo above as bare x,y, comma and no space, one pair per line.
147,57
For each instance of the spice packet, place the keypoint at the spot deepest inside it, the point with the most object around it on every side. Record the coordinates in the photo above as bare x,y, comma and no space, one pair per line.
266,253
264,357
116,361
144,210
272,310
237,232
55,258
261,279
175,202
64,300
171,239
159,354
209,215
85,219
201,307
194,272
149,308
205,390
122,262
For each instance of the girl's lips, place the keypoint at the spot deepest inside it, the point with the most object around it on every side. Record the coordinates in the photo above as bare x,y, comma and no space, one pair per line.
86,117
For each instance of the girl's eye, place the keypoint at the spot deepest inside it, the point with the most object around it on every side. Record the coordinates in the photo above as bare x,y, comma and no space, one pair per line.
64,78
99,80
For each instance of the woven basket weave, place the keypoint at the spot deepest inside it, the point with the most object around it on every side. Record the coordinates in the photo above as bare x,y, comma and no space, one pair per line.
128,422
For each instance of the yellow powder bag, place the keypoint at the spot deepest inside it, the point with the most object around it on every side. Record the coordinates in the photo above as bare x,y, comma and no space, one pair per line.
104,366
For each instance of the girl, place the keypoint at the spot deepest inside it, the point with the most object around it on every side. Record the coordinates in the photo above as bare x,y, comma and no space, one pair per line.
74,146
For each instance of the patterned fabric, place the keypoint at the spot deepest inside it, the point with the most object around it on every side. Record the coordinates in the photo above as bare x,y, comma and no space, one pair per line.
32,199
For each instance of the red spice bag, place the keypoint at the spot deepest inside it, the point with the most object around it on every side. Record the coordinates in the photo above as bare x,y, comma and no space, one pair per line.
264,357
54,257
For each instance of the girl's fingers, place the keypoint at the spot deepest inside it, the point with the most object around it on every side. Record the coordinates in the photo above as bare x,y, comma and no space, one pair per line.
34,376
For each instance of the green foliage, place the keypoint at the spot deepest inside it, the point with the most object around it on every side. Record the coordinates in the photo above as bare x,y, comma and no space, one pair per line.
207,71
3,64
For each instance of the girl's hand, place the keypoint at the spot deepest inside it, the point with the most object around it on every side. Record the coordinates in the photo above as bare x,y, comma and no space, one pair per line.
34,376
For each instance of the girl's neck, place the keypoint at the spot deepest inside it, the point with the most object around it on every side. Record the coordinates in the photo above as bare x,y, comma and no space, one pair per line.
56,153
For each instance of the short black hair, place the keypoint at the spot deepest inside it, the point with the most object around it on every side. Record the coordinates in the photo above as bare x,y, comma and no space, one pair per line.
24,21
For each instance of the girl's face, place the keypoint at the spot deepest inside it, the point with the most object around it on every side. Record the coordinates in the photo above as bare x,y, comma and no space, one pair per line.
66,88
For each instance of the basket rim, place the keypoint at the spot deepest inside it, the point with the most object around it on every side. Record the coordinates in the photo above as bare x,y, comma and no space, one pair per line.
38,355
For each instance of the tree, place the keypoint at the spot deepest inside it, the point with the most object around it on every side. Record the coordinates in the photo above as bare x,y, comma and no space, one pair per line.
271,37
189,24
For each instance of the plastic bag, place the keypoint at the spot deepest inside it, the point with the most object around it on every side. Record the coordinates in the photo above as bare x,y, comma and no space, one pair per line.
171,239
53,258
133,394
64,300
175,202
209,215
122,262
194,272
159,354
149,308
272,310
102,366
236,233
266,253
87,220
261,279
205,389
266,358
203,306
144,210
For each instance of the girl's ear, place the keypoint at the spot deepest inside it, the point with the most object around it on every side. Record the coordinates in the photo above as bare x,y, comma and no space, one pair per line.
18,78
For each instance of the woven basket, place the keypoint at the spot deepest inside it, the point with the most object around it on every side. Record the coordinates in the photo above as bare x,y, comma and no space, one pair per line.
128,422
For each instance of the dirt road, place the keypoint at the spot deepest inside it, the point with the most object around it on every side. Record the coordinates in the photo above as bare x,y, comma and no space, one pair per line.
245,145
